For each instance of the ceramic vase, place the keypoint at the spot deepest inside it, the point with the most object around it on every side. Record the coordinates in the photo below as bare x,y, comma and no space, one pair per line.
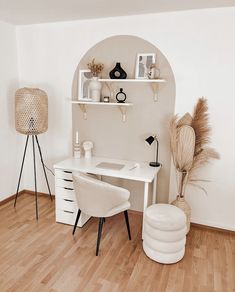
95,89
184,206
117,72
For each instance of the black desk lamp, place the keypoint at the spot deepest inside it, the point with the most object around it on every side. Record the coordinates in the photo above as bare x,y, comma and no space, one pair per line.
149,141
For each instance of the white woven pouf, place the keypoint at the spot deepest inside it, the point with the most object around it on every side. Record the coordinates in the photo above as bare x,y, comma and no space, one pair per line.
164,234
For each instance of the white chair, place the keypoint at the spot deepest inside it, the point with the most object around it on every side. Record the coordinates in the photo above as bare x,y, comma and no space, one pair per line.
100,199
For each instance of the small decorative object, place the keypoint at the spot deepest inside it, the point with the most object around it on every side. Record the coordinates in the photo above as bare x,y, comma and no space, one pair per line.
189,138
85,77
95,69
143,63
164,234
76,149
149,141
121,96
117,72
106,98
154,72
88,145
95,85
31,119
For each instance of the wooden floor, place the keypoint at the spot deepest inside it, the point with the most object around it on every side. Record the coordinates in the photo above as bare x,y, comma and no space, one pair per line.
44,256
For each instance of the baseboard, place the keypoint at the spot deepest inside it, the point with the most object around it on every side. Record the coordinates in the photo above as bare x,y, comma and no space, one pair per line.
212,225
10,198
39,193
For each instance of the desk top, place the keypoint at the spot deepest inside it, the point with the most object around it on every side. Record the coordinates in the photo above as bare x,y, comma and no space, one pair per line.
143,173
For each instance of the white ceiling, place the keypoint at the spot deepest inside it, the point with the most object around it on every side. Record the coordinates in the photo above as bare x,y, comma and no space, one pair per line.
38,11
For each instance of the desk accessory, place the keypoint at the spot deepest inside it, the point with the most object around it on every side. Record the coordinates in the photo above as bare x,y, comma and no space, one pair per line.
137,165
108,165
88,145
31,119
149,141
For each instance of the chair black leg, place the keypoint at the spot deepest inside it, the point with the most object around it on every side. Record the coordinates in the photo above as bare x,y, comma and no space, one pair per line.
127,224
76,221
21,169
101,221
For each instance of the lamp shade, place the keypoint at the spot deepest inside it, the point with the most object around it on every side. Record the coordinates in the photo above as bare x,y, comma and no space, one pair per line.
31,111
150,140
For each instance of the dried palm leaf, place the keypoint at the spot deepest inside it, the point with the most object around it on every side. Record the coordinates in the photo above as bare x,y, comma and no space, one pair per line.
185,148
200,124
185,120
174,139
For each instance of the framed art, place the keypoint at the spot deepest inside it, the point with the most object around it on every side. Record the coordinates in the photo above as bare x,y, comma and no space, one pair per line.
143,63
85,77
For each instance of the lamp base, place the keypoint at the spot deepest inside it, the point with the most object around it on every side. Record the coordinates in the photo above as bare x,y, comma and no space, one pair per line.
154,164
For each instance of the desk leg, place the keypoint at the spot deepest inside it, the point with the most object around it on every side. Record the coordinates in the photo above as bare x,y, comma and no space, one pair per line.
146,196
154,189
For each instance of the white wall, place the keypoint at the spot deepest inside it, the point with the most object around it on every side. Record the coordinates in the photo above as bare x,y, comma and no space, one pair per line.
9,139
199,46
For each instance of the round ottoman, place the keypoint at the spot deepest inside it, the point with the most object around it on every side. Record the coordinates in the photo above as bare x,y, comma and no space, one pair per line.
164,234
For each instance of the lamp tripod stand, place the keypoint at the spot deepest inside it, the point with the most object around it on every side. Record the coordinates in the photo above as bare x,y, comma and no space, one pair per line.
34,137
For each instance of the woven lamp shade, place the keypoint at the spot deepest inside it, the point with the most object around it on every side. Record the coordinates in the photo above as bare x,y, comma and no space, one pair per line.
31,111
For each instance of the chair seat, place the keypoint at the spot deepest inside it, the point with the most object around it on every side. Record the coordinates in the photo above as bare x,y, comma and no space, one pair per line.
121,208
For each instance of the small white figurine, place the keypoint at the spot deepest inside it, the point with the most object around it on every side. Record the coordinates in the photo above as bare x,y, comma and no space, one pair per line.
88,145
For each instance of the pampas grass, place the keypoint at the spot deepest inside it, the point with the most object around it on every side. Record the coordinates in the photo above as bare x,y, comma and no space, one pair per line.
189,139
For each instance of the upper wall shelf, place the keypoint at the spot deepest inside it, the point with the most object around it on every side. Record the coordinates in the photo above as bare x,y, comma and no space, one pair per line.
134,80
153,82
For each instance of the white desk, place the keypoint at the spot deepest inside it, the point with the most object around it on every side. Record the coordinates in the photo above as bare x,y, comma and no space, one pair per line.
144,173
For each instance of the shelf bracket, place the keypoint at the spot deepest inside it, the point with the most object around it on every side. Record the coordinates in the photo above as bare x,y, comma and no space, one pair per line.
84,110
123,111
155,91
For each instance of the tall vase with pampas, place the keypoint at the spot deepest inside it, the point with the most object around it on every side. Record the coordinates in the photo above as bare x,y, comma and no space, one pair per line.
189,138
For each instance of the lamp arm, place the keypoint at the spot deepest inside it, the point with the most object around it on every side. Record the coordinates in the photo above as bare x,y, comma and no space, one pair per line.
157,146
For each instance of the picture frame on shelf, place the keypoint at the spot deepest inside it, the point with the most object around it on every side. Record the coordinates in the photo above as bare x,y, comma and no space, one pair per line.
85,76
143,63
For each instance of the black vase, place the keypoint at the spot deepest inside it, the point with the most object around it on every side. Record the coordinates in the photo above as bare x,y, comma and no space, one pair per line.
117,72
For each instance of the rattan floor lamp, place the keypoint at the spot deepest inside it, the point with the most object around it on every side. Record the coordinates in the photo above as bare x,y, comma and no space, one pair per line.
31,119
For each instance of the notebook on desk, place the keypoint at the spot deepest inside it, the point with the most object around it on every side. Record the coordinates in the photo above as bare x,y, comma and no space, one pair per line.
108,165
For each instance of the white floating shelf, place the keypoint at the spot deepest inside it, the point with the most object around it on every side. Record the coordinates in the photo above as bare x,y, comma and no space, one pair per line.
134,80
102,103
84,104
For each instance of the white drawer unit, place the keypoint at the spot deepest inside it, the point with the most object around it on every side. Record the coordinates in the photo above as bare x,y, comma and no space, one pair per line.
66,206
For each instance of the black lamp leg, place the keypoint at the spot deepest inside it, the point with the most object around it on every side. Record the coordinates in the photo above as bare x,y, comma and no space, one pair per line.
40,152
35,178
21,170
101,221
127,224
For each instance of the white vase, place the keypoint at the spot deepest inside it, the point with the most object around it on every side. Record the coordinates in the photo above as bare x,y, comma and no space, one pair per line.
95,89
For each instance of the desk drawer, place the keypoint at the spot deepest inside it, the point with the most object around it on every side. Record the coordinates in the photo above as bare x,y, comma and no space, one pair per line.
67,217
64,183
65,193
63,174
66,205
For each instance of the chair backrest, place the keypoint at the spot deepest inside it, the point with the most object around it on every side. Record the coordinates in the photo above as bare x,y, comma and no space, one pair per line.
96,198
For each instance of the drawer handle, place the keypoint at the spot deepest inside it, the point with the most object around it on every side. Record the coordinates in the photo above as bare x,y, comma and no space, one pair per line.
65,179
70,212
68,189
66,171
67,200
